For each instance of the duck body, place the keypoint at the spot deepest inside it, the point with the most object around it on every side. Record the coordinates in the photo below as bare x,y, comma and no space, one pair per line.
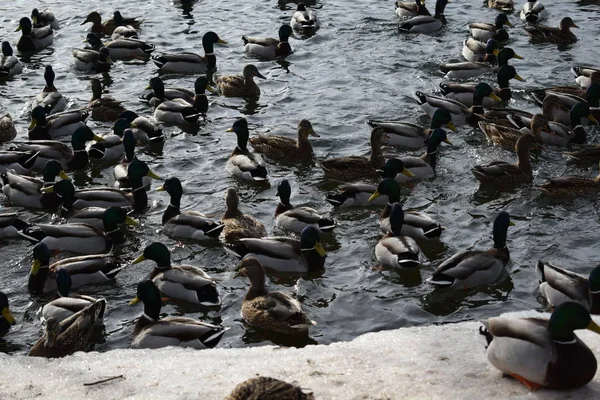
237,224
239,85
56,125
44,18
108,26
284,149
50,99
242,163
103,108
422,167
410,8
502,5
465,70
33,39
21,162
533,12
546,34
129,48
9,63
6,318
145,129
304,20
269,48
269,388
483,31
396,250
26,191
477,51
91,60
426,23
11,225
585,75
7,129
190,63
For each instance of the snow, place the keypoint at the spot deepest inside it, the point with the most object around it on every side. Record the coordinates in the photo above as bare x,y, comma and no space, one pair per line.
434,362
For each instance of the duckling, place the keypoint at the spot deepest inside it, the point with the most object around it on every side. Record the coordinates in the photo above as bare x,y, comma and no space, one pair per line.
394,249
508,137
502,5
44,18
189,224
123,48
465,70
585,76
284,149
56,125
239,85
268,388
411,8
6,317
7,129
269,47
533,12
304,20
558,285
476,51
145,129
33,39
242,163
237,224
483,31
472,268
183,282
92,60
153,332
50,99
426,23
172,93
107,27
272,311
9,63
190,63
20,162
571,186
546,34
103,108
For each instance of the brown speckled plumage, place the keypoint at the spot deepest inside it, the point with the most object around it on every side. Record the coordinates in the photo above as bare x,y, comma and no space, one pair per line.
239,85
264,388
237,224
284,149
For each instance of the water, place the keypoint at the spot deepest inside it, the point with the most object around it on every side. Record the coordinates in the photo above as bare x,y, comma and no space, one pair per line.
357,67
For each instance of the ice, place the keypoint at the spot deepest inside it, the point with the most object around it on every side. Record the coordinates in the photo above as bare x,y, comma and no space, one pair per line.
434,362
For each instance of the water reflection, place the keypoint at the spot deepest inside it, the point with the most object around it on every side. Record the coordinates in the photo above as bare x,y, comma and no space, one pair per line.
252,335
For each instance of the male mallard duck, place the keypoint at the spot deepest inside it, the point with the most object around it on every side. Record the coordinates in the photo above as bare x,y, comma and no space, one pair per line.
107,27
269,47
472,268
416,225
547,34
178,110
585,76
123,48
502,173
242,163
268,388
484,31
70,335
65,123
6,318
502,5
189,224
569,96
7,129
272,311
539,352
163,93
103,108
411,8
394,249
284,149
533,12
304,20
477,51
576,112
9,63
183,282
11,225
571,186
21,162
50,99
406,134
123,29
190,63
237,224
285,254
153,332
44,18
92,60
464,70
33,39
426,23
296,219
239,85
109,150
120,172
145,129
553,133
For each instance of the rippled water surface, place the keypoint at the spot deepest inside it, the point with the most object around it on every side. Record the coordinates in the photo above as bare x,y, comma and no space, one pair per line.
355,68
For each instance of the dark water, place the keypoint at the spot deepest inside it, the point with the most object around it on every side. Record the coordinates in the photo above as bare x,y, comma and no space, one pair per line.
357,67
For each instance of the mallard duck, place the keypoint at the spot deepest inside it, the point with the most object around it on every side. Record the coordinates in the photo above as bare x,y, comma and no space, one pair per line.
460,113
6,317
9,63
84,270
153,332
569,96
171,93
477,51
7,129
304,20
271,311
416,225
484,31
351,168
285,254
269,47
70,335
394,249
411,8
552,133
44,18
50,99
120,172
65,123
93,216
406,134
540,352
426,23
103,108
571,186
92,60
189,224
558,285
239,85
107,27
502,173
122,48
11,225
284,149
183,282
295,219
123,29
21,162
547,34
589,155
465,70
145,129
268,388
178,110
242,163
237,224
585,76
575,112
502,5
109,150
533,12
190,63
472,268
33,39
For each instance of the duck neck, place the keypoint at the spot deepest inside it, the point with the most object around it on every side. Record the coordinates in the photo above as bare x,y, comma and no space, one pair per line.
173,209
36,282
314,260
201,103
113,232
523,162
376,158
303,144
140,197
283,206
257,288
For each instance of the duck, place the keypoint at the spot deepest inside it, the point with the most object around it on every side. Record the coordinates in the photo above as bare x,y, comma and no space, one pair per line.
410,8
6,317
183,282
123,29
502,173
546,34
20,162
122,48
502,5
286,150
93,216
304,20
585,75
70,335
465,70
533,12
396,250
84,270
92,60
239,85
33,39
11,226
540,352
145,129
351,168
570,186
426,23
109,150
50,127
589,155
416,225
559,285
162,93
295,219
268,388
477,51
107,27
237,224
120,172
569,96
103,108
484,31
270,311
575,112
190,63
268,47
406,134
472,268
551,133
153,332
188,224
10,65
7,129
178,110
242,163
285,254
50,99
44,18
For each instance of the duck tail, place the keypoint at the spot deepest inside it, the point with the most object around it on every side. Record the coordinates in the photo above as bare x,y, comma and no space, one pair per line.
238,249
327,224
336,198
433,231
245,40
488,336
538,96
444,87
540,271
28,160
405,27
111,269
159,60
213,337
32,233
259,174
214,229
420,97
576,71
441,280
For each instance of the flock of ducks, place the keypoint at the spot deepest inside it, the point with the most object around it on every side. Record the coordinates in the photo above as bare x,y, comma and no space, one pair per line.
535,351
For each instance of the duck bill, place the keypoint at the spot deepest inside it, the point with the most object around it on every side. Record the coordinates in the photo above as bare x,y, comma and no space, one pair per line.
139,259
374,195
131,221
229,130
259,75
134,301
8,316
518,57
34,20
211,89
85,22
149,87
153,175
63,175
313,133
594,327
592,119
98,138
160,189
520,78
575,26
320,250
507,23
404,172
49,189
496,51
493,96
32,124
450,125
19,28
221,41
448,141
511,223
35,268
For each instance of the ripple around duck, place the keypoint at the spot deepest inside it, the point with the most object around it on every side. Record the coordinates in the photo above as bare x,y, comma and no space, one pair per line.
355,68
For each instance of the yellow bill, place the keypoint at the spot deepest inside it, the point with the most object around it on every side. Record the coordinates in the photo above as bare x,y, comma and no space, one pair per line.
64,175
511,223
448,141
8,316
32,124
592,119
493,96
229,130
519,78
131,221
450,125
134,301
407,173
160,189
594,327
98,138
320,250
139,259
507,23
35,267
518,57
19,28
153,175
211,89
496,51
48,189
221,41
374,195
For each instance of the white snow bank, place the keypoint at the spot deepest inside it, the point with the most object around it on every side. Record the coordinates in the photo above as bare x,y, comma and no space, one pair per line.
435,362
